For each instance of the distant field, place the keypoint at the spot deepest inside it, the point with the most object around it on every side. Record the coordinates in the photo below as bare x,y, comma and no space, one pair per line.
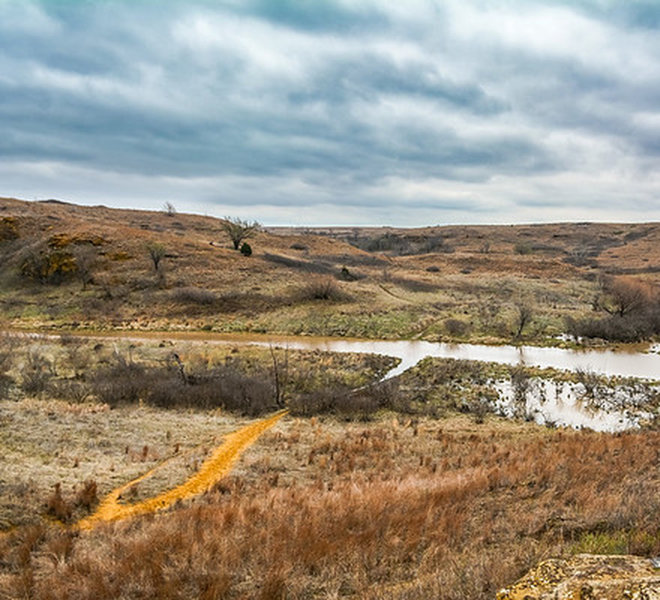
439,283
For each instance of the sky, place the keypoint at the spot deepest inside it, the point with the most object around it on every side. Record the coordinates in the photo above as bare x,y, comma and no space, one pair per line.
336,112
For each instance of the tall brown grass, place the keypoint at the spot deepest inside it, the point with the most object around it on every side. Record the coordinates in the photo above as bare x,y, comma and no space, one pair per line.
476,512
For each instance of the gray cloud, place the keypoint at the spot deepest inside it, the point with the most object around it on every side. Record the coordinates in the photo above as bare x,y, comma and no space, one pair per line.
454,109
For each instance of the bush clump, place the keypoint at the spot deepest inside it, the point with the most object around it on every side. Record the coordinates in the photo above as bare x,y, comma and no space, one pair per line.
322,288
224,387
456,327
194,295
48,266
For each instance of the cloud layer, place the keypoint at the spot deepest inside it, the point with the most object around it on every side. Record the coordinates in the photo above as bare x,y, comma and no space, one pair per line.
336,111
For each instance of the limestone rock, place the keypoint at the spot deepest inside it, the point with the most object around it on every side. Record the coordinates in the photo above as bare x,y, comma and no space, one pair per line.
588,577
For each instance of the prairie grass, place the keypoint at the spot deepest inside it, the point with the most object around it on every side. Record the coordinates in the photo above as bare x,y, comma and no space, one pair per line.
393,509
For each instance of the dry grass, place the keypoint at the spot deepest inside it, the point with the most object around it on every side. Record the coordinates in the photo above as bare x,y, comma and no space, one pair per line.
203,284
75,438
387,510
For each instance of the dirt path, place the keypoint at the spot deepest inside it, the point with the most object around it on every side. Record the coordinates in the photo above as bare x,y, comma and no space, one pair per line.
213,469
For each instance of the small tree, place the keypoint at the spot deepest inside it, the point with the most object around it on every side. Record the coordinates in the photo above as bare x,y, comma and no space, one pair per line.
169,209
156,253
524,314
85,256
239,230
623,296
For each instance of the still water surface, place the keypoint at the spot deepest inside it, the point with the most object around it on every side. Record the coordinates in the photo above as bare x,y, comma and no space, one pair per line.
606,362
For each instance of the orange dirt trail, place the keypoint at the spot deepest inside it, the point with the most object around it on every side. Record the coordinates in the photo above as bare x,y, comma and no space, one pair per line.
213,469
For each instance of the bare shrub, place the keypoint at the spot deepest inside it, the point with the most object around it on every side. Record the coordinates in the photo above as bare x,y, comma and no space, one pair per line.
120,383
321,288
623,296
631,328
523,316
322,401
156,253
72,390
520,382
590,380
87,497
194,295
57,506
84,258
36,373
352,405
456,327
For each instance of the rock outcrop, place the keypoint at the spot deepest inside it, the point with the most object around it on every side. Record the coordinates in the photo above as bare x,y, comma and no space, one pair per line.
589,577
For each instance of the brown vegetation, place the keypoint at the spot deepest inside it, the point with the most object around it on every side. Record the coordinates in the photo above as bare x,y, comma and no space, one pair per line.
402,283
382,511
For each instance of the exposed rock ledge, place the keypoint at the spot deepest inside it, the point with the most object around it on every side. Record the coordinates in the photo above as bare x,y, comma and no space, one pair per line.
589,577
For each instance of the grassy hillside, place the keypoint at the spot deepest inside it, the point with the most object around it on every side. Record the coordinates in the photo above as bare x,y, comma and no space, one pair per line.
67,266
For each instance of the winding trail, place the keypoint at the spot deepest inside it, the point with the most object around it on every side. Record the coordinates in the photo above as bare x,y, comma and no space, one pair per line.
213,469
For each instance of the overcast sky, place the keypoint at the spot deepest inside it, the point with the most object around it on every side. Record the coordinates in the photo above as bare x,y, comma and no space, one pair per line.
356,112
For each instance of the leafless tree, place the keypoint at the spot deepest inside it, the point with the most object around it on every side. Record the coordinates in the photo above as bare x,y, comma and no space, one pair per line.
524,314
156,253
239,230
623,296
280,375
85,256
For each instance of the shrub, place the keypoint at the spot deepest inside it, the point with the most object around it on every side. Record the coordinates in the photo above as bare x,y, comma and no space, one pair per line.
246,249
121,383
615,329
346,275
456,327
36,373
520,381
522,248
47,266
57,506
71,390
8,229
87,496
194,295
348,404
623,296
156,253
321,288
523,316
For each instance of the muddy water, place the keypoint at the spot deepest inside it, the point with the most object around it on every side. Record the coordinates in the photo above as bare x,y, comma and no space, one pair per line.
605,362
560,405
645,365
